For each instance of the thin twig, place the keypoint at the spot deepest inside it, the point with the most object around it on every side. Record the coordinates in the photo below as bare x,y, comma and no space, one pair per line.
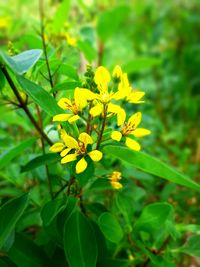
102,127
41,9
43,151
60,190
23,105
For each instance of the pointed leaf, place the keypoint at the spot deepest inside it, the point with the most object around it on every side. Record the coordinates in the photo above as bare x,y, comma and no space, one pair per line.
10,213
22,62
79,241
151,165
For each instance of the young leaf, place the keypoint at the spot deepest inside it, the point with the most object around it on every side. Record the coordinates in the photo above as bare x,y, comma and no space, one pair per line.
10,213
151,165
39,161
79,241
14,151
110,227
22,62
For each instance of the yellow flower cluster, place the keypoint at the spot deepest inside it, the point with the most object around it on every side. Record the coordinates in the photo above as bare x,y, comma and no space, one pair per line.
99,102
114,178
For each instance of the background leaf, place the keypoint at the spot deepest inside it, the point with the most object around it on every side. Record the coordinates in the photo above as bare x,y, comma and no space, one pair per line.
110,227
10,213
39,161
25,253
10,154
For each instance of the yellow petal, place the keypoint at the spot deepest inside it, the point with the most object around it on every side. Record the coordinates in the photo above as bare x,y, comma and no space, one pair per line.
65,152
95,155
135,97
101,78
140,132
119,95
85,138
70,142
96,110
121,116
116,135
116,185
80,101
73,118
68,158
57,147
135,119
132,144
62,117
124,84
64,103
81,165
117,72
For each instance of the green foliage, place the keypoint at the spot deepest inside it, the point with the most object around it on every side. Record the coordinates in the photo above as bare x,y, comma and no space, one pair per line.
10,213
117,212
22,62
79,241
151,165
110,227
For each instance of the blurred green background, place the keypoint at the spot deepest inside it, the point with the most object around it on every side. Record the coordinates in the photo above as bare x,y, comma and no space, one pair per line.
156,42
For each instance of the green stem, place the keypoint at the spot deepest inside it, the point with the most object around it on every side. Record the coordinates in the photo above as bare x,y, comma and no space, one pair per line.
102,126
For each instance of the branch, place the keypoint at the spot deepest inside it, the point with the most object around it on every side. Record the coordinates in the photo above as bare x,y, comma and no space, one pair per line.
23,105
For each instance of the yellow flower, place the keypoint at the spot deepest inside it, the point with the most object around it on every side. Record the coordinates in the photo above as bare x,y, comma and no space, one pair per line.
130,129
73,149
125,91
103,98
70,40
75,106
114,180
4,22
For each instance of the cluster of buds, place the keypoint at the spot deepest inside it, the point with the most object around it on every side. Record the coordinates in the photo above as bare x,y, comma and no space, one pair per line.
94,107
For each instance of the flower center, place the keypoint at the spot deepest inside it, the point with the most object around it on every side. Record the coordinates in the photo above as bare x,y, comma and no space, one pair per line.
81,149
128,128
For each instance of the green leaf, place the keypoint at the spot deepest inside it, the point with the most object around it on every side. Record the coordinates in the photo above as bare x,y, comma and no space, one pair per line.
15,151
191,247
151,165
40,96
39,161
10,213
2,81
141,64
22,62
79,241
110,227
66,86
25,253
61,16
50,210
68,71
88,50
153,217
109,21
